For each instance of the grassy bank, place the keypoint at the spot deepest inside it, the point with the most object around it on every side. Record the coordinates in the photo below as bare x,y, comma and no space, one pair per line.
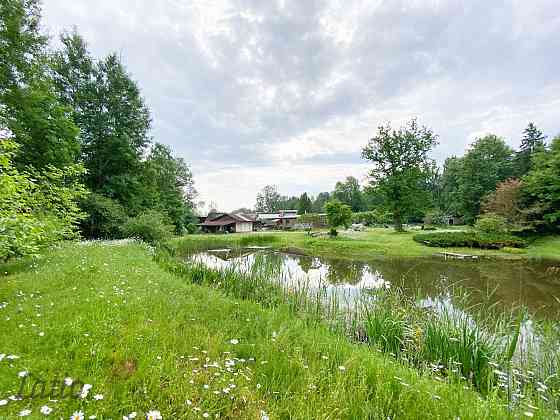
145,339
372,243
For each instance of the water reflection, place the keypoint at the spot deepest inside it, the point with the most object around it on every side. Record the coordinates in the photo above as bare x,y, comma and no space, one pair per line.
534,284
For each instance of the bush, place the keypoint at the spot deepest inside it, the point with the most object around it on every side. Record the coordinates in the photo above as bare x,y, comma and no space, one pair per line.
150,226
492,224
435,217
36,208
106,217
469,239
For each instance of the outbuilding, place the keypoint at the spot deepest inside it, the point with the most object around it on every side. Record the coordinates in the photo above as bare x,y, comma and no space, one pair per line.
228,222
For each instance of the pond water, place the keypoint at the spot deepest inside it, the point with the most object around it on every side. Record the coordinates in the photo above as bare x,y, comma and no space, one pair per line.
534,284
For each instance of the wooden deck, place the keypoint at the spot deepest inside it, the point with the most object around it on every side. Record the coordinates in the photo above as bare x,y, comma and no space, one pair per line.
455,256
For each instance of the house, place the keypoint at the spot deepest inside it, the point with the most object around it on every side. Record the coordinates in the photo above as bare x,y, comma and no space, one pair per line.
228,223
283,219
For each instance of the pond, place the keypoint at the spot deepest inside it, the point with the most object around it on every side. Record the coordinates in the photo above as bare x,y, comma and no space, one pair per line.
533,284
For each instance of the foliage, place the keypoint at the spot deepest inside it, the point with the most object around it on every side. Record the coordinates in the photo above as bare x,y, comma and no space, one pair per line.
492,224
305,205
338,214
461,239
168,186
435,217
268,200
36,208
542,187
112,117
372,218
29,109
350,193
533,141
151,226
320,201
506,201
105,217
401,163
486,163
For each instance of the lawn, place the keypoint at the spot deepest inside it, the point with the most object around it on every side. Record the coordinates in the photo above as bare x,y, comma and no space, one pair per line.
377,242
108,315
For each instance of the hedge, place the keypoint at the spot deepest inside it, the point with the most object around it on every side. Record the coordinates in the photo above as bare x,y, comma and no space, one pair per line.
469,239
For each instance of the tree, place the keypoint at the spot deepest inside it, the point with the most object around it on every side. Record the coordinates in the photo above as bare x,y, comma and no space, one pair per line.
29,108
450,181
533,141
349,192
541,186
305,205
486,163
320,201
268,200
400,159
506,201
338,214
168,186
112,117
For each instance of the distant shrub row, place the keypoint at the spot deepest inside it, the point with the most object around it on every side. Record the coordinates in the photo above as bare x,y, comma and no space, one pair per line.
469,239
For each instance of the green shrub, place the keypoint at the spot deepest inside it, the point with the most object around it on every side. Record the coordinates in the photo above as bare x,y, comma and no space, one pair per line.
469,239
106,217
492,224
150,226
435,217
36,208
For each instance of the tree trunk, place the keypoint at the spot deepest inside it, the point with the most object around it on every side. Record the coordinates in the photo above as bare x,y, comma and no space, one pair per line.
397,220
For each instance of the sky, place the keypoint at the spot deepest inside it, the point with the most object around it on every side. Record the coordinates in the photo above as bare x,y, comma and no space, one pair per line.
287,92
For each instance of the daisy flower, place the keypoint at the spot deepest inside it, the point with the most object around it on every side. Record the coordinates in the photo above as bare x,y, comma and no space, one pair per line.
78,415
23,374
45,410
24,413
234,341
153,415
98,397
3,402
68,381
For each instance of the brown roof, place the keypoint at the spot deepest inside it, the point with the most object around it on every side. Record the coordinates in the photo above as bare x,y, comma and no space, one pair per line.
227,219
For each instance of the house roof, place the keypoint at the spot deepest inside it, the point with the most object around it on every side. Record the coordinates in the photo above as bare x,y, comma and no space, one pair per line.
222,219
278,216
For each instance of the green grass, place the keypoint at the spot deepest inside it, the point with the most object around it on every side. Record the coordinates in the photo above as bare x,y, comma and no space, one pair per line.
372,243
147,339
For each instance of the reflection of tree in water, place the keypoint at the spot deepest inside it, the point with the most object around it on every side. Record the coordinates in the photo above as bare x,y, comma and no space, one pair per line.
306,263
344,271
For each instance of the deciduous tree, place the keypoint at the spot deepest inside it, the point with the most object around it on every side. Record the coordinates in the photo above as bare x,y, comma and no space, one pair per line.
400,167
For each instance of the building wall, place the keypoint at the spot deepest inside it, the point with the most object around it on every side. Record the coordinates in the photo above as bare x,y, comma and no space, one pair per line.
244,227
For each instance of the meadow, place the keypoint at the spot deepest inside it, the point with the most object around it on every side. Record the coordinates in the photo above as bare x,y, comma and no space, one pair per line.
138,333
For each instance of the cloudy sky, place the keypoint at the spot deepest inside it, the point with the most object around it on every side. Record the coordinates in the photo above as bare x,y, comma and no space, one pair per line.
287,92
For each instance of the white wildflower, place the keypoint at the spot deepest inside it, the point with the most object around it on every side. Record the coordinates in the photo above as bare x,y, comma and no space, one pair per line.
23,374
3,402
153,415
234,341
78,415
45,410
68,381
24,413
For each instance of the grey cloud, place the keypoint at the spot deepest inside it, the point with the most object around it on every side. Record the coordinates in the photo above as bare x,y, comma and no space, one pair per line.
250,74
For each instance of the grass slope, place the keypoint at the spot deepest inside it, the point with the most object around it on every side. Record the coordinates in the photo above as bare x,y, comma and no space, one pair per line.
379,242
145,340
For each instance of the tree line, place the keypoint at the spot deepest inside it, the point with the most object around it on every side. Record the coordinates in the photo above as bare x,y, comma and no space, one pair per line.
84,119
520,186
